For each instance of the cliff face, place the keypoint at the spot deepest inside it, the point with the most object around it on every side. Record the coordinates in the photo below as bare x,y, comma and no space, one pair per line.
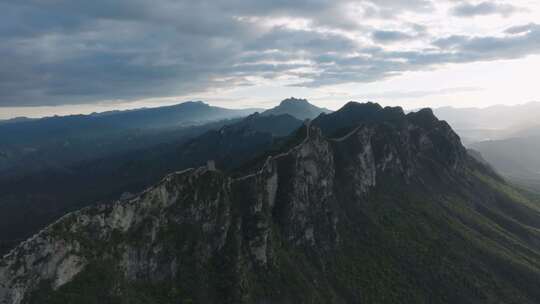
385,213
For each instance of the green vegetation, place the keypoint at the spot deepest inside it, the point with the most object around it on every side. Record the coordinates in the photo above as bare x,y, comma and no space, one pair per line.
394,248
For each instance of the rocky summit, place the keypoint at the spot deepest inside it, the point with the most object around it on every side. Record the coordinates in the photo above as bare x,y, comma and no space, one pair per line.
363,205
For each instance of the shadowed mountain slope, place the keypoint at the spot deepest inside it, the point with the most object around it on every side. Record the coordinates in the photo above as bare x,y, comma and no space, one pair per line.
30,202
32,145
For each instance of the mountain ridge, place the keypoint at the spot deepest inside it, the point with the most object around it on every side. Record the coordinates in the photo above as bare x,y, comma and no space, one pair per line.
48,194
29,146
384,213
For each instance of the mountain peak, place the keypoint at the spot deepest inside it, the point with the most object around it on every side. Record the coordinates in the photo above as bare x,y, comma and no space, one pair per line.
353,113
355,104
424,117
299,108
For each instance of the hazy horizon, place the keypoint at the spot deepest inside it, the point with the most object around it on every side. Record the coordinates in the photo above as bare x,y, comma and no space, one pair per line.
65,110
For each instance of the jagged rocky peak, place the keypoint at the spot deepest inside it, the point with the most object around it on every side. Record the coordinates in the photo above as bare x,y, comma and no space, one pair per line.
315,221
354,113
365,108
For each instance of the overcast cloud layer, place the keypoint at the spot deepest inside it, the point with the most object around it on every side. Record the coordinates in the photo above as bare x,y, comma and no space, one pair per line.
67,52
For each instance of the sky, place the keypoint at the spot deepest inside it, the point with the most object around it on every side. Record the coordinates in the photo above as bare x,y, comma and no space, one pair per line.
76,56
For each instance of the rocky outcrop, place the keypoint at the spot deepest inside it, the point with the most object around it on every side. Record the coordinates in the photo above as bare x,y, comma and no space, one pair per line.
62,250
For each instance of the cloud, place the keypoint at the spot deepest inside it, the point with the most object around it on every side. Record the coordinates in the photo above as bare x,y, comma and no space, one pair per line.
302,40
521,41
483,9
523,29
391,8
374,64
70,52
419,94
390,36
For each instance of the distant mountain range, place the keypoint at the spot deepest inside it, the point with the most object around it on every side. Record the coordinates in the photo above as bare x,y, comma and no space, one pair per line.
48,191
363,205
517,158
182,114
30,145
508,137
15,120
495,122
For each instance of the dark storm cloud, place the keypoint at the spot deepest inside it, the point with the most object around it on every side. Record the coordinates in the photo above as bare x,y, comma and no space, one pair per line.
483,8
67,52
